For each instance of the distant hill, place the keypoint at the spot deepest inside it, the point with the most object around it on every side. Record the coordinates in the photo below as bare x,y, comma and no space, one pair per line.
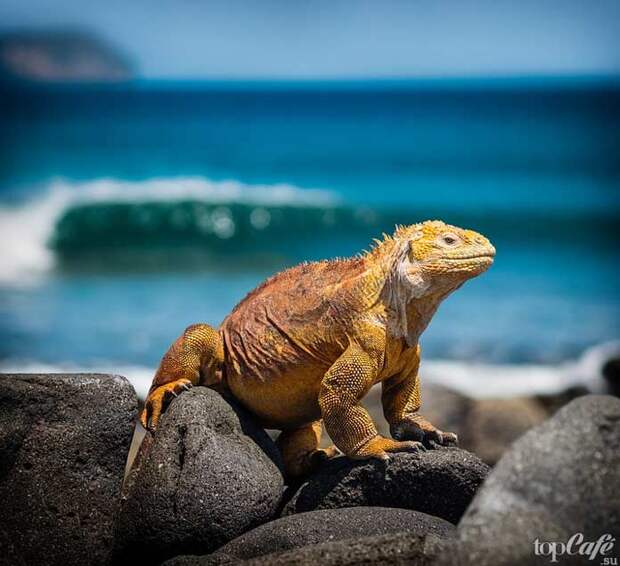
60,56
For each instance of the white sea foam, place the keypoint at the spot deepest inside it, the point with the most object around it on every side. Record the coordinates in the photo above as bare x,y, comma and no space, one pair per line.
474,379
25,230
508,380
24,233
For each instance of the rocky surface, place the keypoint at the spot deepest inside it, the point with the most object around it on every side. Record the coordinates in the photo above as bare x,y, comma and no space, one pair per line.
63,445
394,548
210,481
209,475
216,559
377,550
315,527
439,482
561,478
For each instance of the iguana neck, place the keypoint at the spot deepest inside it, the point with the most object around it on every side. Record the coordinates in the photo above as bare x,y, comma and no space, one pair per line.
406,306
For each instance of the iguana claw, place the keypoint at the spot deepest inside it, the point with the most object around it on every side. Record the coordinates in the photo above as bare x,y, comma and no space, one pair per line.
421,430
158,399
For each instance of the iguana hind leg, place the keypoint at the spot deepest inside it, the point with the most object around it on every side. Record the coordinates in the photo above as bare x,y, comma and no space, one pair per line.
300,449
197,356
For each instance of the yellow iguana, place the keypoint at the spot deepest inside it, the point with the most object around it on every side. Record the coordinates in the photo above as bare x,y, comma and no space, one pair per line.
308,344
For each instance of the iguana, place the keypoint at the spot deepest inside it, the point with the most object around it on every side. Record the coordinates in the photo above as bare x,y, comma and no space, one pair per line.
308,343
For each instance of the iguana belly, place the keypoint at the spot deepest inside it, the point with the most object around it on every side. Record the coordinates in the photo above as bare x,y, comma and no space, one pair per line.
275,376
286,401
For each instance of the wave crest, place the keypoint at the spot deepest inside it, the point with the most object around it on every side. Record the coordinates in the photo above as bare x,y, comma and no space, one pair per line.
109,212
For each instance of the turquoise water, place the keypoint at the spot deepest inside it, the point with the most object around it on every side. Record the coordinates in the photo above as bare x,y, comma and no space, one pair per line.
130,212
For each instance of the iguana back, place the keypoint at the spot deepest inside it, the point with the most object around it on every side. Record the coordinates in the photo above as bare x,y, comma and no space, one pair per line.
290,320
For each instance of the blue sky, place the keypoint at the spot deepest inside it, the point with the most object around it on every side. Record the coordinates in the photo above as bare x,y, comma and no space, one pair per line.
343,39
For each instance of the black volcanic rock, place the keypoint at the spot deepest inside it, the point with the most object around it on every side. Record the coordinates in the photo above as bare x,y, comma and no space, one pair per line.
439,482
328,525
392,548
63,446
559,479
209,474
383,550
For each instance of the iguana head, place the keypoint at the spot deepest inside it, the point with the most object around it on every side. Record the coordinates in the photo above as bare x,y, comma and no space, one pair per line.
433,257
420,265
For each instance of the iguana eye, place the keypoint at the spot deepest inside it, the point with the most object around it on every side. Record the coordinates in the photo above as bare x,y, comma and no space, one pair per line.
449,239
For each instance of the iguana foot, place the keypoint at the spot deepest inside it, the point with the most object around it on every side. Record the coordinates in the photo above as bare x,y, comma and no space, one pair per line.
158,400
323,454
300,450
418,428
379,447
309,462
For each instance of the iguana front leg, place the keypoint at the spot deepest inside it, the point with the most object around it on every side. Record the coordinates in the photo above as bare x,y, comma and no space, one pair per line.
346,421
401,401
194,358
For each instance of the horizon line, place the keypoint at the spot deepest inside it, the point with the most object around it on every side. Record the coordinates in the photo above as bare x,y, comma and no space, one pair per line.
466,82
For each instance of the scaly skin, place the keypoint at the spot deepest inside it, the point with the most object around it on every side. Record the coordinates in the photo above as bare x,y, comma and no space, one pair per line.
309,343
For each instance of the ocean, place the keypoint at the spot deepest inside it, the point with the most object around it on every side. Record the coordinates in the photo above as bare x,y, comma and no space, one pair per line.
128,212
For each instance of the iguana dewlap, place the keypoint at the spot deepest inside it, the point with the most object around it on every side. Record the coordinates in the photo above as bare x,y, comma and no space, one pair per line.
308,344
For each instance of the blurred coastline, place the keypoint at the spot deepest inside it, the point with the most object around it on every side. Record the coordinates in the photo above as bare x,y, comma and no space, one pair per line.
38,57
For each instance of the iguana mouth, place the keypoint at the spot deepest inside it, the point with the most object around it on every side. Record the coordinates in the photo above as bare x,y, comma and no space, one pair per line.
478,256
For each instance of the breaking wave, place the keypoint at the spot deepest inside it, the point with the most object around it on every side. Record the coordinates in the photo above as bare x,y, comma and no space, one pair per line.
108,213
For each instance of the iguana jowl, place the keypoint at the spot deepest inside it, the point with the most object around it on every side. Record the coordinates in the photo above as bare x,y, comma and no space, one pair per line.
309,343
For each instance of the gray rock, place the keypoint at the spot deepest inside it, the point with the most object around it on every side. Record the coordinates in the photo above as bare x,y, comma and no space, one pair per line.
377,550
330,525
439,482
492,425
561,478
63,445
203,481
217,559
316,527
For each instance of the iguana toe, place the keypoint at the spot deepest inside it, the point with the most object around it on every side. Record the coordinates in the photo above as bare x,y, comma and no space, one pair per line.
379,447
418,428
440,437
158,400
